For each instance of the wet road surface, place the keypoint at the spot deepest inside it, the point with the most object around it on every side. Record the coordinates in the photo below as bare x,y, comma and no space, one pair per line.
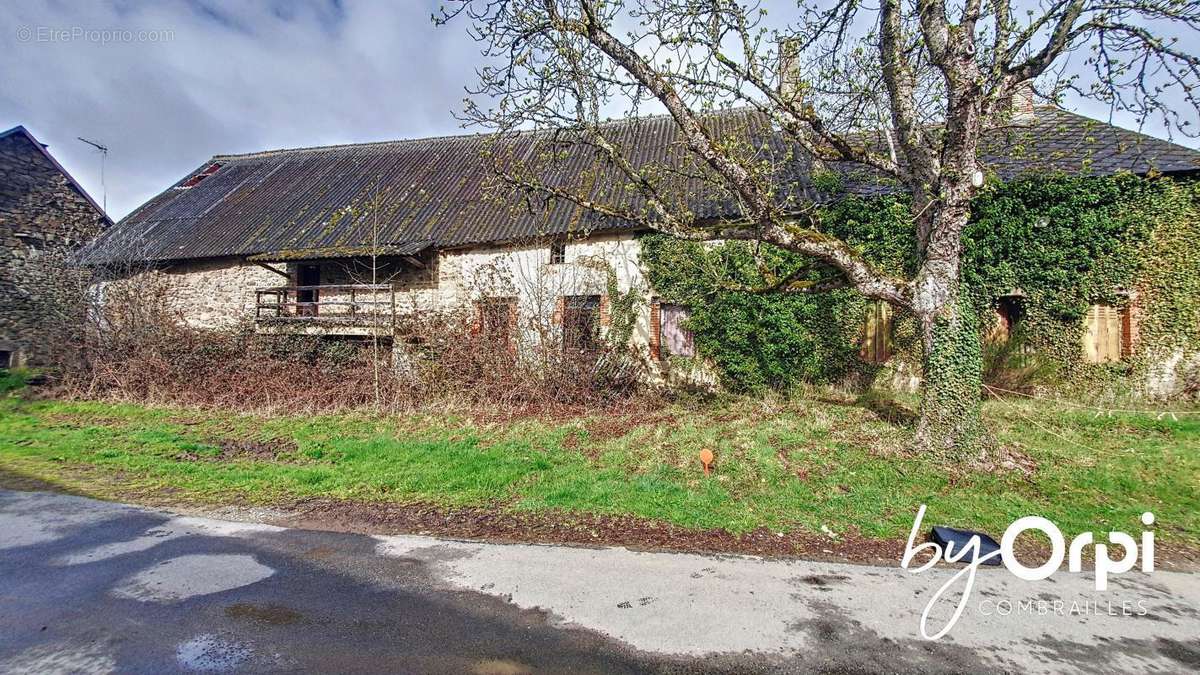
88,586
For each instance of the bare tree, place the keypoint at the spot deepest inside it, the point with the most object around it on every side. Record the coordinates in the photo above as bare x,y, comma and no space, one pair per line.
904,89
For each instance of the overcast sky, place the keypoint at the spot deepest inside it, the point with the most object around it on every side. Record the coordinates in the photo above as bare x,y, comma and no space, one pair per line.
205,77
231,77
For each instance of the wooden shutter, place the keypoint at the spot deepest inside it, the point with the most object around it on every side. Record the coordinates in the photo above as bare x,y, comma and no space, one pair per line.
655,329
675,339
877,333
1102,336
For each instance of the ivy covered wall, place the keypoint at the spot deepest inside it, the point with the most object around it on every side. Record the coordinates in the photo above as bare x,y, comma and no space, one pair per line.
1060,243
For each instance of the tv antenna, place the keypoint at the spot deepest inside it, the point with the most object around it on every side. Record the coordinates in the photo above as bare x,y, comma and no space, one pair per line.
103,155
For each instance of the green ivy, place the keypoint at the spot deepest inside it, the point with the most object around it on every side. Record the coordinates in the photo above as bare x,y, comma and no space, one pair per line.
756,339
1062,242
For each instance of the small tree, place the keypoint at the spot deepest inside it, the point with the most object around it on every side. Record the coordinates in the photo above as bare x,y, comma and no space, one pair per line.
904,89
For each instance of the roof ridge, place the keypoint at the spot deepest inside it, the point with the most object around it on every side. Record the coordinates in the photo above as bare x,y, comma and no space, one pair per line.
443,137
337,146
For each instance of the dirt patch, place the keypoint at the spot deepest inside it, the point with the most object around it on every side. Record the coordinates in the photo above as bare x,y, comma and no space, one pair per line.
497,524
823,579
500,525
608,427
273,615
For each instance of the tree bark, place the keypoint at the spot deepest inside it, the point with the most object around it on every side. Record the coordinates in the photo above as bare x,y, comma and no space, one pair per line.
950,423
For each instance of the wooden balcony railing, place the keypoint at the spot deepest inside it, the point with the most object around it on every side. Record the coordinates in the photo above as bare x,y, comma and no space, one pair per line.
347,304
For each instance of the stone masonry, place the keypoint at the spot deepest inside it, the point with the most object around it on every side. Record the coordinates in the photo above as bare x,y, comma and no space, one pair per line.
44,214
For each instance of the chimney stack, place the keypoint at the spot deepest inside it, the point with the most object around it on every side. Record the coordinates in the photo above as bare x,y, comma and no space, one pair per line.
789,71
1021,105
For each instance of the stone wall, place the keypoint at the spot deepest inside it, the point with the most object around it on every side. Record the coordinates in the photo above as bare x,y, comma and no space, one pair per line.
217,293
220,293
526,273
42,219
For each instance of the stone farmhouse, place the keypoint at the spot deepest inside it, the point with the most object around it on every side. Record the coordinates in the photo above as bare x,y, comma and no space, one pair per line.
44,213
346,240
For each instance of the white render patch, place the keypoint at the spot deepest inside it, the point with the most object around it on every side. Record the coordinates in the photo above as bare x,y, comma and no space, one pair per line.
147,541
192,575
211,654
221,528
695,604
175,528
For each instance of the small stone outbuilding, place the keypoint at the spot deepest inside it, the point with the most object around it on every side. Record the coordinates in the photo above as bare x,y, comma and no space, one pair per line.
44,213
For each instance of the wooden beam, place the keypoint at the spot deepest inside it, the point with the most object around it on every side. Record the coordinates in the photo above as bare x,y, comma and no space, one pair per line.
267,267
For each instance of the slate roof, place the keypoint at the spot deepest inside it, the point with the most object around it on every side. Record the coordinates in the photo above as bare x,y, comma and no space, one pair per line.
323,202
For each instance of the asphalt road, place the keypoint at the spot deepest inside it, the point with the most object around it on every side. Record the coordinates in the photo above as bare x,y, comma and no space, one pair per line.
87,586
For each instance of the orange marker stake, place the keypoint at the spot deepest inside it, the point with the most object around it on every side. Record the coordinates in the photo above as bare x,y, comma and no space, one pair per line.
706,458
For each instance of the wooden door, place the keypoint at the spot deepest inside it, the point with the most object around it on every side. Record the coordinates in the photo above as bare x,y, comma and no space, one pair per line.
307,298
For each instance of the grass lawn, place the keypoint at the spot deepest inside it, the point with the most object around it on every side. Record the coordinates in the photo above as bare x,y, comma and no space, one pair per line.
786,466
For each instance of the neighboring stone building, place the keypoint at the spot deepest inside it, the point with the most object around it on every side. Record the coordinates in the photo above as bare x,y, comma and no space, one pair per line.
285,238
44,215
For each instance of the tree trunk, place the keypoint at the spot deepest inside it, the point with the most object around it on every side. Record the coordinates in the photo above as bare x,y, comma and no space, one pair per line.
950,423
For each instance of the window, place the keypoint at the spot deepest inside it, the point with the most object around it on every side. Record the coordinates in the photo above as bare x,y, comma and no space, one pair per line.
581,322
5,358
1105,336
558,252
877,333
497,320
676,339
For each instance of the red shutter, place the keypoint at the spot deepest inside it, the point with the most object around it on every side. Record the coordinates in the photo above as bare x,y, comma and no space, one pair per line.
655,329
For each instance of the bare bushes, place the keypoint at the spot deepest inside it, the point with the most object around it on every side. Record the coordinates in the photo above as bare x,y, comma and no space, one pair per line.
460,356
451,363
1013,365
135,345
232,368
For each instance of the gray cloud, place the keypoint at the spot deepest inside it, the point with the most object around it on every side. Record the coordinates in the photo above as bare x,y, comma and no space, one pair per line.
215,77
202,77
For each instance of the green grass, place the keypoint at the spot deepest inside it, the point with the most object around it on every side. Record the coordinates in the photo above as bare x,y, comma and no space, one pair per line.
797,464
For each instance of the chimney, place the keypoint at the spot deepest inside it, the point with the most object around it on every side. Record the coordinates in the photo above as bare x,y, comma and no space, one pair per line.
790,86
1021,106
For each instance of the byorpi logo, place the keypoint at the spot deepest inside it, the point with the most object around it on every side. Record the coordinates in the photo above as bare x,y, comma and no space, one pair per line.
1059,551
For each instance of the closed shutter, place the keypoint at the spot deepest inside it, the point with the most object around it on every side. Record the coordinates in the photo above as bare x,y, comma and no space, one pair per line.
655,329
877,333
1102,337
676,339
